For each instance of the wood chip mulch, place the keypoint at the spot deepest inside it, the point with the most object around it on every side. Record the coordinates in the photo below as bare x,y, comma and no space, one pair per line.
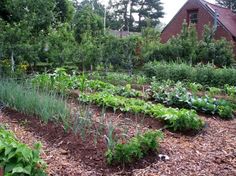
212,152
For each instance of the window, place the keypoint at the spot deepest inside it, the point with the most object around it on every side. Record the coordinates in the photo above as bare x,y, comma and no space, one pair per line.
234,38
193,16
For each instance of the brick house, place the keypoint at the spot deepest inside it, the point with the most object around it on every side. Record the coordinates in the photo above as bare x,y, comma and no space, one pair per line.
201,12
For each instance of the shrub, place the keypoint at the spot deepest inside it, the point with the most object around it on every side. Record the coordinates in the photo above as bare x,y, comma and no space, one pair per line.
218,52
186,47
136,148
206,75
17,158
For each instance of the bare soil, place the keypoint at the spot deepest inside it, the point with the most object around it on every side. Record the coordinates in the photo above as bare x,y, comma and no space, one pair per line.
211,152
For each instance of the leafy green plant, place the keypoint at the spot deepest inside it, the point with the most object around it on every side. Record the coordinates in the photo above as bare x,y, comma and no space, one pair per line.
226,112
82,85
17,158
136,148
140,106
120,78
176,94
62,82
195,87
230,90
213,91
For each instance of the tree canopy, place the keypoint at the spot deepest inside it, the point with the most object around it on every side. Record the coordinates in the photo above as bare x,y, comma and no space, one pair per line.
231,4
134,14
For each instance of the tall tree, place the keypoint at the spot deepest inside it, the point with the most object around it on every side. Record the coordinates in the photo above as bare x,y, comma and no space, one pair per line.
136,14
64,10
231,4
25,27
150,12
96,6
87,21
122,13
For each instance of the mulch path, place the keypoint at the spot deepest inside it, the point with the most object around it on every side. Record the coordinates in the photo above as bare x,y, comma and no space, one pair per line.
211,152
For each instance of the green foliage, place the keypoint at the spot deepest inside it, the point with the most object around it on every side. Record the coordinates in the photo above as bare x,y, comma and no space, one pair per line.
120,78
122,53
218,52
61,82
17,158
151,43
87,21
30,101
89,51
136,148
230,90
205,75
214,91
178,95
182,47
195,87
31,31
64,10
38,14
226,112
186,47
123,13
169,115
60,45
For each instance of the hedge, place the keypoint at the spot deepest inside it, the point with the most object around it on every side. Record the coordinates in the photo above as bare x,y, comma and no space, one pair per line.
204,74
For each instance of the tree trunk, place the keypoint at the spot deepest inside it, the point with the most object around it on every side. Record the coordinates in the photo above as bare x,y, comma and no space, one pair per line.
91,68
126,17
130,15
140,16
12,62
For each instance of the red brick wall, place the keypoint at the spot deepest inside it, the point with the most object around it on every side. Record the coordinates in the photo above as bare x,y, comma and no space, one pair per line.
175,26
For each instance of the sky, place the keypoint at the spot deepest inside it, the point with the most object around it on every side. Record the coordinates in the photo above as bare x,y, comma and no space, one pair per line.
171,7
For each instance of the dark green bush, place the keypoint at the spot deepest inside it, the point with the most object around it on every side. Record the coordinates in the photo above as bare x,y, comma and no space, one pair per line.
136,148
17,158
204,74
186,47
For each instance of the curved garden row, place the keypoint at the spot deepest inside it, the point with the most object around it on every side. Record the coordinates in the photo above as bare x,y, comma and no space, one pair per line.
176,119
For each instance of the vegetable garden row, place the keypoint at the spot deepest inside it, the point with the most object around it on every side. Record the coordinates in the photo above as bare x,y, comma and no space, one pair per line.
175,104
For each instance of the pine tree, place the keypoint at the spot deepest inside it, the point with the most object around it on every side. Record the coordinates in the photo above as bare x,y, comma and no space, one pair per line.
149,11
231,4
125,12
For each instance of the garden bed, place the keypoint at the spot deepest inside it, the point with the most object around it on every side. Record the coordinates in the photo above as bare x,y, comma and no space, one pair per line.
211,152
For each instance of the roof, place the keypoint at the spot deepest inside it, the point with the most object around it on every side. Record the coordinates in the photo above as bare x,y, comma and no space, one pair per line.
117,33
226,17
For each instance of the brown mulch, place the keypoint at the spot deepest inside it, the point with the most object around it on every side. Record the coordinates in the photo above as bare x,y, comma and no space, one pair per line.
211,152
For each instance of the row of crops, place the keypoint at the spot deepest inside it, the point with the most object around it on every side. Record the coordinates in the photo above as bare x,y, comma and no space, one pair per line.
174,104
209,100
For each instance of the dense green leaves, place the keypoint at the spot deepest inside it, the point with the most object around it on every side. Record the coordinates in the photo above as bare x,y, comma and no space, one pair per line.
136,148
203,74
179,96
176,119
123,13
87,21
186,47
17,158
